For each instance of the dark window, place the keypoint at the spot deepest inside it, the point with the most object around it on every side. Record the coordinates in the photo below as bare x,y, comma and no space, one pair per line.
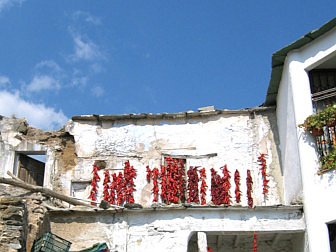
323,87
30,168
332,236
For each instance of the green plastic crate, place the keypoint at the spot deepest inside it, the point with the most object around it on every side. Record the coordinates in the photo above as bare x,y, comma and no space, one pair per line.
51,243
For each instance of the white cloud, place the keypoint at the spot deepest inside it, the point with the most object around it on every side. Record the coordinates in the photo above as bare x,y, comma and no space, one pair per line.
48,65
6,4
38,115
4,81
42,83
98,91
85,49
87,17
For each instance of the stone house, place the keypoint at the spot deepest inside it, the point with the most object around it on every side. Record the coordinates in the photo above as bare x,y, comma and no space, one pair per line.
216,180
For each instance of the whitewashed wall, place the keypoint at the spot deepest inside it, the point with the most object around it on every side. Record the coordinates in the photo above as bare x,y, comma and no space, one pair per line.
297,148
170,230
237,139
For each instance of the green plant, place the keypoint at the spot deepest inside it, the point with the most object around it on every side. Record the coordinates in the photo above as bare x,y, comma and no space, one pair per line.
330,115
328,162
326,117
315,121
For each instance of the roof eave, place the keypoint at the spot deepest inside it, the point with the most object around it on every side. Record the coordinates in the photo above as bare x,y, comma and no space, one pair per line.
279,57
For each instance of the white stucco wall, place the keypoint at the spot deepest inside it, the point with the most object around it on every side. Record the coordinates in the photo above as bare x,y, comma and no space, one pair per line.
236,139
297,148
170,230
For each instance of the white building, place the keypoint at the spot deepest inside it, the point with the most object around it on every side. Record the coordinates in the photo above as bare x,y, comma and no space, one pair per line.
291,209
302,76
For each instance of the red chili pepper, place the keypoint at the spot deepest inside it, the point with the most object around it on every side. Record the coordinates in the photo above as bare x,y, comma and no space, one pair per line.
237,183
120,189
203,186
249,183
226,186
216,188
106,193
255,248
129,186
192,185
94,184
263,166
113,188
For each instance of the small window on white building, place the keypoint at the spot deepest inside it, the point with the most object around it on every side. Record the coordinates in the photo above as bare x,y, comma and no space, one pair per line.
323,87
30,167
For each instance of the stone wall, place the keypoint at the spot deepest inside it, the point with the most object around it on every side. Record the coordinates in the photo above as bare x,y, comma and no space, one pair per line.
21,218
12,224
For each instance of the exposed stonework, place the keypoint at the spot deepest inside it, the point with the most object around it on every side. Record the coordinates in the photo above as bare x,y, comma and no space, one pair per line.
12,224
21,218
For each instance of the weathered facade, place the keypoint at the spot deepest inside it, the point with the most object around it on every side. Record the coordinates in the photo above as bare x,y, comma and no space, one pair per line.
215,180
205,139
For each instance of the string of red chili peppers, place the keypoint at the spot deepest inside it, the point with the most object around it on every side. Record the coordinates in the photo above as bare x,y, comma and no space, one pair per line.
129,176
216,182
94,184
106,190
255,248
226,186
193,185
203,186
113,188
237,189
263,166
249,184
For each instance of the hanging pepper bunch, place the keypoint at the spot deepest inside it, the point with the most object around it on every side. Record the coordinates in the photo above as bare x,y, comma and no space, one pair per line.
255,247
129,186
216,188
163,184
237,183
203,186
192,185
249,183
120,189
106,193
226,186
181,179
113,188
263,167
148,175
94,184
173,180
155,190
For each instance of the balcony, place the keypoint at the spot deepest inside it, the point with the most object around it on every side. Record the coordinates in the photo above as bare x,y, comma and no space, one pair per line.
322,126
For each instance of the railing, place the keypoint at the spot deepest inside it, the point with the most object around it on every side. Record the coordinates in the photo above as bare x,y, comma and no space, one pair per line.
326,142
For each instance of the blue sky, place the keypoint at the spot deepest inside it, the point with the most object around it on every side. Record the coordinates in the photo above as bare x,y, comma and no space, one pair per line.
64,57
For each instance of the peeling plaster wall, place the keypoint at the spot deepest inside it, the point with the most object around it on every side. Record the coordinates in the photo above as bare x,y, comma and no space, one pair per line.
167,230
17,137
236,139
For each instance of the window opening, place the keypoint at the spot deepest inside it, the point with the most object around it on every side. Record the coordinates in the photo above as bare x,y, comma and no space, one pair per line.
30,167
173,180
323,89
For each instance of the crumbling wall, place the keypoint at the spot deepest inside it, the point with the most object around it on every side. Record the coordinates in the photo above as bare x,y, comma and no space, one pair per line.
17,136
235,139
